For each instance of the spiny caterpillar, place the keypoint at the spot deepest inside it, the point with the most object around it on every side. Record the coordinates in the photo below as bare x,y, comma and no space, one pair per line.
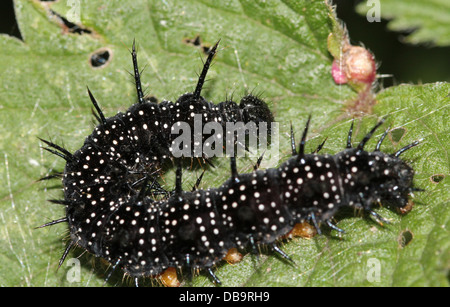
109,183
132,144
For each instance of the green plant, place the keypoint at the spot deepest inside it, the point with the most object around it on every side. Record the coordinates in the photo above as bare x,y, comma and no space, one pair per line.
277,49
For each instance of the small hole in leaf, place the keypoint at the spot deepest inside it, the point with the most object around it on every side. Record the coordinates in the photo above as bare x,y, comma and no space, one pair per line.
206,49
100,57
69,26
436,178
405,238
397,134
197,42
8,24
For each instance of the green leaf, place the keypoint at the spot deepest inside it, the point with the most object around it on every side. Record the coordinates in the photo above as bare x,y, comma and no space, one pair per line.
429,20
275,48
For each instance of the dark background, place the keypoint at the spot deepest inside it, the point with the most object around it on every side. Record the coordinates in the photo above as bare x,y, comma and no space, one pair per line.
407,63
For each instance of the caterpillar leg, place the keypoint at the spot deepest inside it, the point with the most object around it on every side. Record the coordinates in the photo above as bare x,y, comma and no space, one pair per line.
215,279
169,278
280,252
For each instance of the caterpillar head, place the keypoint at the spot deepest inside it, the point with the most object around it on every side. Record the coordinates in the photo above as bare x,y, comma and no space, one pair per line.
255,110
397,177
376,177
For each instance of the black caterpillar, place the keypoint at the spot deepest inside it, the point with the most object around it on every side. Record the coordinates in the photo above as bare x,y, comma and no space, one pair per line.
129,146
111,214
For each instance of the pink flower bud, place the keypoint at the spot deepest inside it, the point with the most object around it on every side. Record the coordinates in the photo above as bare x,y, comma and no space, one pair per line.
356,65
360,65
